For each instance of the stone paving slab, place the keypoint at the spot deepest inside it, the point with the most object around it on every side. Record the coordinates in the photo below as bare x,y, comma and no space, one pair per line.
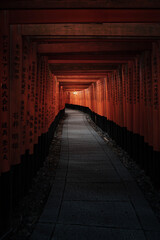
87,158
106,214
80,166
91,172
153,235
73,232
42,231
96,178
107,175
95,192
144,212
52,207
94,197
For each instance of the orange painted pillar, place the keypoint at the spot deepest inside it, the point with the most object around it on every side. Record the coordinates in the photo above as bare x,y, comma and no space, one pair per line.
148,112
113,97
4,94
120,90
155,79
142,106
124,86
108,93
57,97
28,100
125,96
16,76
31,98
37,104
130,97
136,102
43,94
54,96
40,91
159,91
148,101
136,96
105,98
5,161
120,107
156,115
46,96
24,94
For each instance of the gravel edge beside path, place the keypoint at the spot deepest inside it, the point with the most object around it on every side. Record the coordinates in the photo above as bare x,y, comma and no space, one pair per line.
29,209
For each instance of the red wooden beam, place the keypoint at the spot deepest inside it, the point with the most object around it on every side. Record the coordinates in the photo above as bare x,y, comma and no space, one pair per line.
89,77
109,46
74,84
122,57
79,4
115,57
84,16
75,88
87,61
80,76
74,67
54,39
109,30
80,72
76,80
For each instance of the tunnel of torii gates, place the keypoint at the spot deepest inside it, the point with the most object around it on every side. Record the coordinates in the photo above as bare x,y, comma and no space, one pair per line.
105,62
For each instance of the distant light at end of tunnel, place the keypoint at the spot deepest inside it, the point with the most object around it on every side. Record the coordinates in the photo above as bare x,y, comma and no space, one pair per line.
75,93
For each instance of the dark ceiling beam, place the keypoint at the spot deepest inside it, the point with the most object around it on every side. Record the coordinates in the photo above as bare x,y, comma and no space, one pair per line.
86,61
93,30
110,57
75,88
75,84
54,39
94,47
41,4
84,16
80,77
80,72
76,80
72,67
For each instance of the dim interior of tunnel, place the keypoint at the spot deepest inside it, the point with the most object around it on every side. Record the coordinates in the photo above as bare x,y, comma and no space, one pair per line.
95,56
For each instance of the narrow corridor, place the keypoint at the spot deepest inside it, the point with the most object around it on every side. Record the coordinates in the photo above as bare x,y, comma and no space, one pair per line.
101,57
93,196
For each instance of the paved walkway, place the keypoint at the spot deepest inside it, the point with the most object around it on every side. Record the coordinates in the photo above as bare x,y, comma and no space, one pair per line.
94,196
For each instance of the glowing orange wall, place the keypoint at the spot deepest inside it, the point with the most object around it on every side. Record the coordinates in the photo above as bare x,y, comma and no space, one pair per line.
129,96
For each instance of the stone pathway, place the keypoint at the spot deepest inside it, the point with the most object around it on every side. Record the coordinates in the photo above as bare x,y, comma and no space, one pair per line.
94,196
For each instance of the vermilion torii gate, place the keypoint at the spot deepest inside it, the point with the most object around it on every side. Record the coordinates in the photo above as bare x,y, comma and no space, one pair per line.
109,56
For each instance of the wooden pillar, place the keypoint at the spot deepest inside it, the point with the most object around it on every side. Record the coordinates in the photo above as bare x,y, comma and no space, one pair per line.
155,80
16,67
54,96
125,86
24,93
136,107
40,95
32,76
5,161
4,92
148,149
156,119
